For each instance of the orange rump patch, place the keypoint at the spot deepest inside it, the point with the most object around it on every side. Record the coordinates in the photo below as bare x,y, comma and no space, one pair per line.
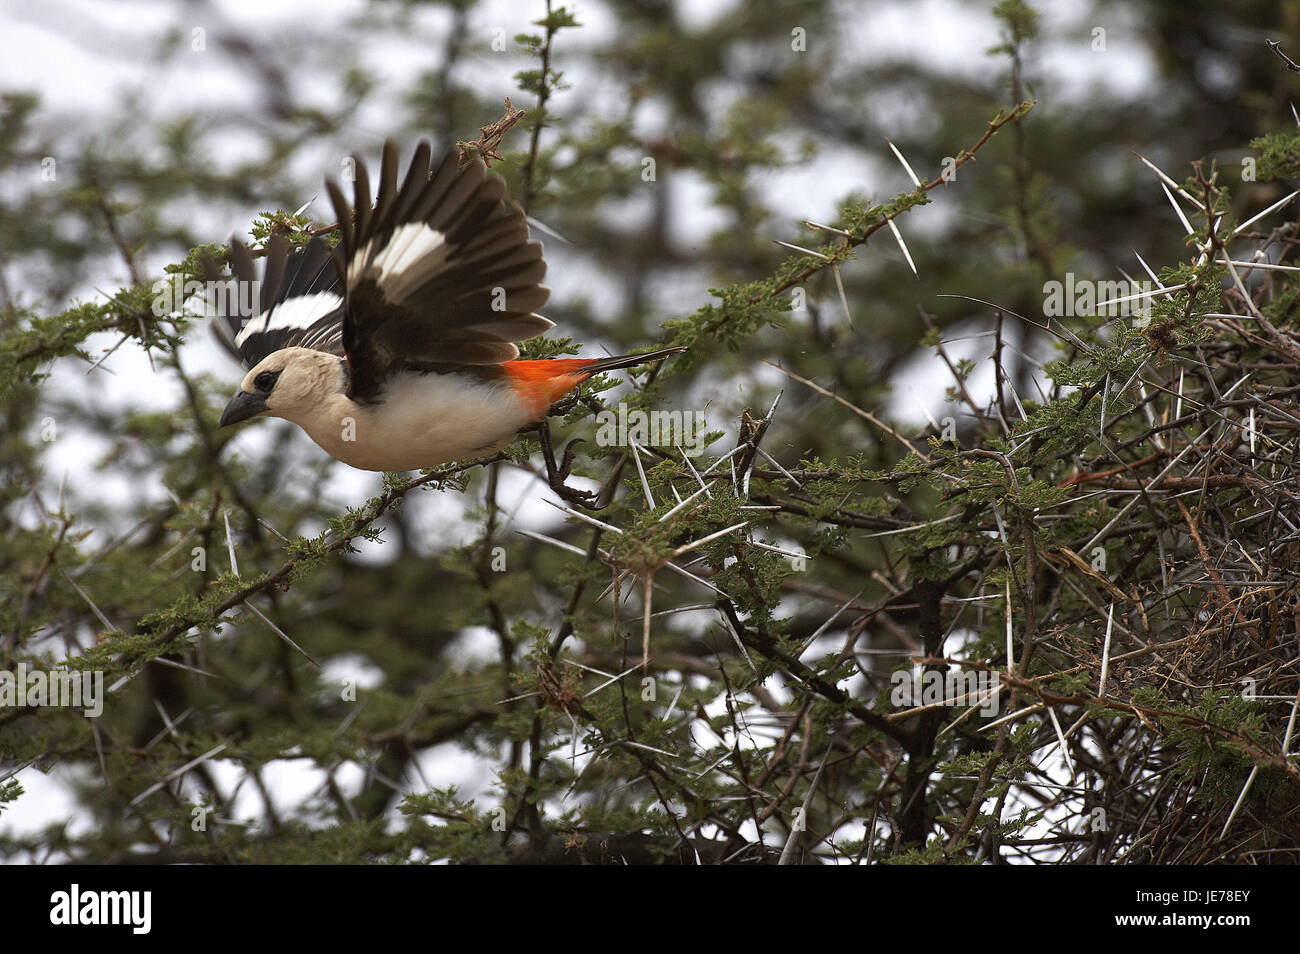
542,383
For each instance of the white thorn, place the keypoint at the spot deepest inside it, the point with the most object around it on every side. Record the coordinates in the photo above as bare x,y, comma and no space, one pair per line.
911,175
903,245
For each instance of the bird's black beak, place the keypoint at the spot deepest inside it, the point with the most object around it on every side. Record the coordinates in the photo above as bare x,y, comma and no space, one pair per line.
243,406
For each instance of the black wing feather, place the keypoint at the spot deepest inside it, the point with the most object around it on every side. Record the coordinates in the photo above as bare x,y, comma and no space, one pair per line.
297,303
439,271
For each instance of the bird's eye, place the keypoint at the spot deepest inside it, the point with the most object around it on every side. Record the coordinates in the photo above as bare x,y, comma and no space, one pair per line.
265,381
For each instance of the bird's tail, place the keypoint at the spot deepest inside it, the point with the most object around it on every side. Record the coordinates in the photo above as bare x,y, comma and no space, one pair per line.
627,360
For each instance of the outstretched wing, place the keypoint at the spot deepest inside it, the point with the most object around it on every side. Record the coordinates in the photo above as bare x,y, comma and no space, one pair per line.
297,303
440,271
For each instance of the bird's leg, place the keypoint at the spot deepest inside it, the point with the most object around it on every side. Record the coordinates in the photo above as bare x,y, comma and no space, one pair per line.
566,459
565,404
556,474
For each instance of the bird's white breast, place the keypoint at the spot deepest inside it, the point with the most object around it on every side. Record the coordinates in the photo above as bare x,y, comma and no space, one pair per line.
424,420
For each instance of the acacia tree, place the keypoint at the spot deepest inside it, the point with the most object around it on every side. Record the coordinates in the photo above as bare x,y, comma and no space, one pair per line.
1056,626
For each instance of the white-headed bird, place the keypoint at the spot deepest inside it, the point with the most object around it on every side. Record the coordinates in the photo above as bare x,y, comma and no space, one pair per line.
396,349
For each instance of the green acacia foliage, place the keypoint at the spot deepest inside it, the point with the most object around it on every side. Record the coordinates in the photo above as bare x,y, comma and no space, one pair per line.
1103,533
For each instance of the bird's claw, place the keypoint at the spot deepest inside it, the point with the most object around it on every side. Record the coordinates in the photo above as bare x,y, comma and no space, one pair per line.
556,474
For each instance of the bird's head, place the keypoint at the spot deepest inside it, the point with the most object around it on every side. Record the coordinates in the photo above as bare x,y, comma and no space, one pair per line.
288,383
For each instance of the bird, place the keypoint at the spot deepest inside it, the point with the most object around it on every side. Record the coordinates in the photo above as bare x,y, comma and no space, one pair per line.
395,349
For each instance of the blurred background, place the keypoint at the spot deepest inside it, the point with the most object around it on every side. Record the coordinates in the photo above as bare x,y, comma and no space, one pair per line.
131,132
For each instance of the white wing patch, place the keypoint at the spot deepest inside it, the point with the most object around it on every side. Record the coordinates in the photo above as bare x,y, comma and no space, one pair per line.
413,254
295,313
